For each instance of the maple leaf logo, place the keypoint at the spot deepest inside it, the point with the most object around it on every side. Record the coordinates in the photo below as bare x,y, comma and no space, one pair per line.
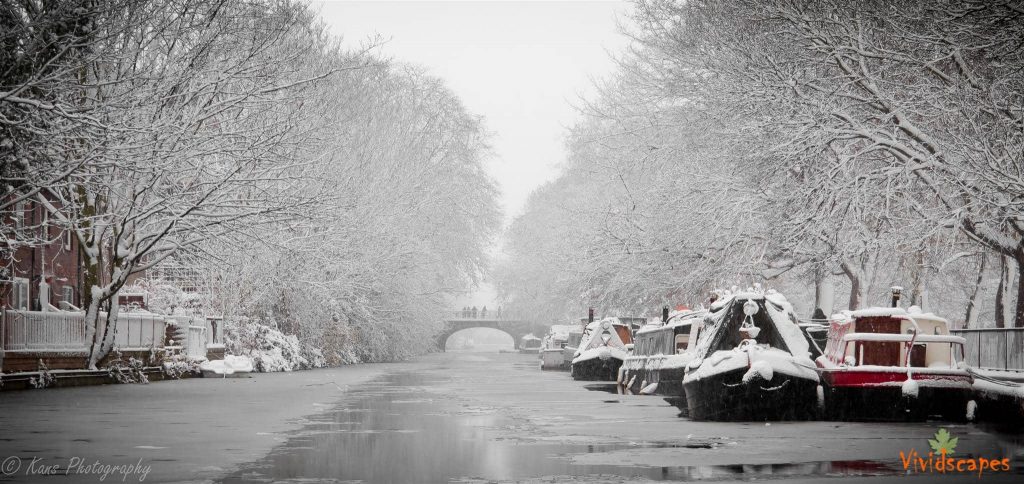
943,442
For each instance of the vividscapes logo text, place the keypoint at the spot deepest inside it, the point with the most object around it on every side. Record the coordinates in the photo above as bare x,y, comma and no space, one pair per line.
940,461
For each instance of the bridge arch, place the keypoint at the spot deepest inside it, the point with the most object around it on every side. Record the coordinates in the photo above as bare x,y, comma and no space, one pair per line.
514,328
494,338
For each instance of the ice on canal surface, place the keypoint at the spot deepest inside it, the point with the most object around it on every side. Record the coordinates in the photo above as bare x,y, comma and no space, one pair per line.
459,419
446,418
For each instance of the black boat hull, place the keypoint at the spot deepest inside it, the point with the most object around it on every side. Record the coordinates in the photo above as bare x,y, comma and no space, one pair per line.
888,404
725,397
596,369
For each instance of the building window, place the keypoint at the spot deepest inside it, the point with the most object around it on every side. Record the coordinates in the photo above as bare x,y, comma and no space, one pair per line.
19,215
19,293
67,295
67,239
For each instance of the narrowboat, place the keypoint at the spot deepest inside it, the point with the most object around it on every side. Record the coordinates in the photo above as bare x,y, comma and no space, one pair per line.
602,351
529,344
751,362
893,364
552,353
576,334
660,355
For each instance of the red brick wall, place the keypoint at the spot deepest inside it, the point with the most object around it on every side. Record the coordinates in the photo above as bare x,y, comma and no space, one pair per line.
55,261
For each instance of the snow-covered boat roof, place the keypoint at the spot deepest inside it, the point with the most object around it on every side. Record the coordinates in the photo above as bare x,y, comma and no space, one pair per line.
609,320
689,318
897,313
728,312
594,338
750,294
561,331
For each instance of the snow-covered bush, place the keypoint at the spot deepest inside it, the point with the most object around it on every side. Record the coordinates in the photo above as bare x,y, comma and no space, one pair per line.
164,297
45,378
175,369
269,348
130,371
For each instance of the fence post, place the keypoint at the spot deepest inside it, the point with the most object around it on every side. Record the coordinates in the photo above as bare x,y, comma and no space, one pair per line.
980,347
3,339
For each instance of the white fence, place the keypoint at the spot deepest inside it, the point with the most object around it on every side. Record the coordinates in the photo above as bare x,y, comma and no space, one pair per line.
196,344
139,331
196,334
994,348
37,330
65,331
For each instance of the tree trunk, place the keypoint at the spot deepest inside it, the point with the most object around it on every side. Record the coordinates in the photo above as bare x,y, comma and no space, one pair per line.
824,294
855,290
918,277
971,318
919,288
1003,293
1018,314
856,277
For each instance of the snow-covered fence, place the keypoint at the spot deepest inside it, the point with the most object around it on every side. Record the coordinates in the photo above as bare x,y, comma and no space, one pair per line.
43,331
138,331
196,343
65,331
994,348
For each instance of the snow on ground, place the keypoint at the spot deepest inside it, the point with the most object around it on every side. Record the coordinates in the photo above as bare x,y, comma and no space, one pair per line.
230,365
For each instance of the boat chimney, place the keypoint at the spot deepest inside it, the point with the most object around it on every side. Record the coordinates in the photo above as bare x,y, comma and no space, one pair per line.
664,314
896,292
590,315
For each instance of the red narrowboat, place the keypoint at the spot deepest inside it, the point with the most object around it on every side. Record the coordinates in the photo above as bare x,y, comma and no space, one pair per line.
893,364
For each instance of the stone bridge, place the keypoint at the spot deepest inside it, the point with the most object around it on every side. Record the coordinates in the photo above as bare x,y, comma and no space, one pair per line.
515,328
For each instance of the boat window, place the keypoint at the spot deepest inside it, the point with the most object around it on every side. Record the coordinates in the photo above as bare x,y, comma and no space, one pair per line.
682,342
917,355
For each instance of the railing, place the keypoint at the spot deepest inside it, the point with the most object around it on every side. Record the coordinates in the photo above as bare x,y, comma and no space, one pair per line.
994,348
65,331
481,316
43,331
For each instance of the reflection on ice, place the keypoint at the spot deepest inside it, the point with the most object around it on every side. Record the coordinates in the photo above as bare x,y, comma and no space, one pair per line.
390,433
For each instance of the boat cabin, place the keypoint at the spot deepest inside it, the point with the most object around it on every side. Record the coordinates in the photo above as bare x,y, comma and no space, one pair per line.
892,337
607,332
669,338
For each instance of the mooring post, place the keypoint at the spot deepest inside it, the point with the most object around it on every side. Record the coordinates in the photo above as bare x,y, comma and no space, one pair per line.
664,314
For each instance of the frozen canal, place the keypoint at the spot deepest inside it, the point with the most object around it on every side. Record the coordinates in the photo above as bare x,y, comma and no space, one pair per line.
462,417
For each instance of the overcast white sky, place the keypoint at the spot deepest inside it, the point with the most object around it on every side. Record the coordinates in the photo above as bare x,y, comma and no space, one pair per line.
520,64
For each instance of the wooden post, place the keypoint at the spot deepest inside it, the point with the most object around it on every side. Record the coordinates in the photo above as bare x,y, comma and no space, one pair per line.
3,322
664,314
590,315
896,291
